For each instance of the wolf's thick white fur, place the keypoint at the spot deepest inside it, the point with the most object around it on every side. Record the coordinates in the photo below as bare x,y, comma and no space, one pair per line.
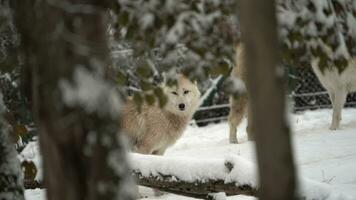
154,129
338,85
238,107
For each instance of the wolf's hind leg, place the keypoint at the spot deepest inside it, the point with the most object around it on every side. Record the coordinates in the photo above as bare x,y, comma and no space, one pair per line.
339,97
250,135
237,111
144,147
159,152
232,135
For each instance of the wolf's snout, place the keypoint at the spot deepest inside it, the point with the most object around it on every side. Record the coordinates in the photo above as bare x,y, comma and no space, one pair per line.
181,106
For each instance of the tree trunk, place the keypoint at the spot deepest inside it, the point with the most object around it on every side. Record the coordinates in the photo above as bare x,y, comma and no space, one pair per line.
74,106
11,185
265,81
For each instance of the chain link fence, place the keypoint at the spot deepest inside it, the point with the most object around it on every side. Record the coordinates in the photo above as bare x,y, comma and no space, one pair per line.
304,89
309,94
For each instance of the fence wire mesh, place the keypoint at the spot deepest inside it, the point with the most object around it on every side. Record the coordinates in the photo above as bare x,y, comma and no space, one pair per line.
309,94
305,91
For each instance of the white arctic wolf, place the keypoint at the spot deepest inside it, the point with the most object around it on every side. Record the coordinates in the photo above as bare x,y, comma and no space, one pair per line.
239,106
154,129
338,86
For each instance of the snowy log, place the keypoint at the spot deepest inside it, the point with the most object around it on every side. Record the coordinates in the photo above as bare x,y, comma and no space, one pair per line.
193,177
203,178
198,178
198,189
171,184
33,184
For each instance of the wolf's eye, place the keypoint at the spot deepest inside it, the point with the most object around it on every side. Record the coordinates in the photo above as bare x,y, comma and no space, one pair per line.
186,91
175,93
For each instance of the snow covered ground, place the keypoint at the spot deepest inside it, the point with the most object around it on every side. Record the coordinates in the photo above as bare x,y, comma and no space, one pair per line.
323,156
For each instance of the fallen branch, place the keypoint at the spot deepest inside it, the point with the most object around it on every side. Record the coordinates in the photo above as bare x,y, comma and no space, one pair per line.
190,177
205,178
193,177
198,189
32,184
173,185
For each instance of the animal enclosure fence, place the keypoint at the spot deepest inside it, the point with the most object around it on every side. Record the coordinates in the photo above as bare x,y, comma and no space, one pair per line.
305,91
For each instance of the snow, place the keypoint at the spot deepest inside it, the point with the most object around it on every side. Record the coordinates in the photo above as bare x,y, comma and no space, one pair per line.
239,85
326,159
36,194
245,172
352,24
192,170
147,20
213,87
319,24
31,153
177,166
91,92
218,196
196,20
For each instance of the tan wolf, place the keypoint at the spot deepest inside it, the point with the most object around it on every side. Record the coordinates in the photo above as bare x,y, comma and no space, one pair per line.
338,85
238,106
154,129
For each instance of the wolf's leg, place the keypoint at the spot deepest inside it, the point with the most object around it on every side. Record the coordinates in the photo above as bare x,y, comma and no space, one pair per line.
159,152
237,111
143,150
232,134
145,146
339,97
158,192
148,144
332,96
250,135
332,99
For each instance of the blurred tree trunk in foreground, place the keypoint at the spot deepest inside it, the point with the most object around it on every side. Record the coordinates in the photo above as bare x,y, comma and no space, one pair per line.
11,180
75,108
265,81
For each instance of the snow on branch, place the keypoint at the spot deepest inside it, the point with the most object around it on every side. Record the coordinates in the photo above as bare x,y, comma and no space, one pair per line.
214,84
91,92
195,177
200,178
318,29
